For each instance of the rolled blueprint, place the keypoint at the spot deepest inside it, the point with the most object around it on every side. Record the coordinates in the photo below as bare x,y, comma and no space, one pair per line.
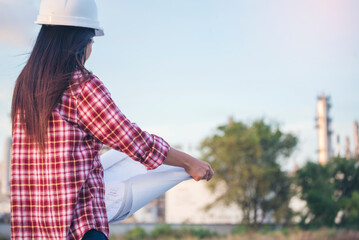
129,185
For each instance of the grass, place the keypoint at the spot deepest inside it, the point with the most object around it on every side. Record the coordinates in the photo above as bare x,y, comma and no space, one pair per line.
165,232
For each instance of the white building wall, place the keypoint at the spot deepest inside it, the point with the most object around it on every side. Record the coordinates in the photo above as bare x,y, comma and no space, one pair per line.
185,203
4,205
356,139
5,168
2,178
147,214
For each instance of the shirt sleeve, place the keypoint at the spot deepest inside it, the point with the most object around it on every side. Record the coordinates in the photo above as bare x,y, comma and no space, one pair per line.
99,116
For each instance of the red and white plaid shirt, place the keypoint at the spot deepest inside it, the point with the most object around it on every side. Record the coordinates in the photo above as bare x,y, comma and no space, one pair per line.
60,195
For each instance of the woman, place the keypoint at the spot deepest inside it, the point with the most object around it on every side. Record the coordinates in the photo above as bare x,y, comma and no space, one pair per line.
62,114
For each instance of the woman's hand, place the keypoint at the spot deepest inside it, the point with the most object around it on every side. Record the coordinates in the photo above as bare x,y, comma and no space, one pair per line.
197,169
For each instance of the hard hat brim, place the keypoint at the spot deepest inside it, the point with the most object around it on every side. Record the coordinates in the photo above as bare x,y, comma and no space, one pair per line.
70,21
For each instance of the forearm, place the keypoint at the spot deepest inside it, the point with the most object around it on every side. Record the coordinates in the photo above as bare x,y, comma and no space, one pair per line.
177,158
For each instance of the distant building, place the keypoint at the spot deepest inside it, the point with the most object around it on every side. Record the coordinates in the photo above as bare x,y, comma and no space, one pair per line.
347,148
5,178
5,169
337,147
153,212
356,139
4,206
186,203
324,132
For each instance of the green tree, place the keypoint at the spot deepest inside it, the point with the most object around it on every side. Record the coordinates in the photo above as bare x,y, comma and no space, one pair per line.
245,159
331,191
317,190
346,183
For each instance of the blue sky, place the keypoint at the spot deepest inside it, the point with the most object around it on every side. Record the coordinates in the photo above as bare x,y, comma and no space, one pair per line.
180,68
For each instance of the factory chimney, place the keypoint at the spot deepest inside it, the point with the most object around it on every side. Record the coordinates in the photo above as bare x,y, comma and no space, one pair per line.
356,139
323,126
347,148
337,147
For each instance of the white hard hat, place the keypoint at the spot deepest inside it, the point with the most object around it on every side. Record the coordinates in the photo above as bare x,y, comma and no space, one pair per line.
78,13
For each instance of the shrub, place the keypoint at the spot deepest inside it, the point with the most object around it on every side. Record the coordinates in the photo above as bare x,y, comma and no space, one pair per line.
163,231
285,232
136,233
197,232
240,230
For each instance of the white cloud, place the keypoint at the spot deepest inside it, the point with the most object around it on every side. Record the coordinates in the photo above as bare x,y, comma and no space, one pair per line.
17,21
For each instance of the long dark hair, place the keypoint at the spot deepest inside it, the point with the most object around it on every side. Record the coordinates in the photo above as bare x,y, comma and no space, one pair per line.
58,52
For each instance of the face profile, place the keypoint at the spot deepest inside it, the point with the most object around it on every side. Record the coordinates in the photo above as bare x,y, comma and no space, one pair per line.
88,49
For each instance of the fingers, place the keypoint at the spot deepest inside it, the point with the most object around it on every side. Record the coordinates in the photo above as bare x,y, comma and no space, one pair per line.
200,170
208,174
201,175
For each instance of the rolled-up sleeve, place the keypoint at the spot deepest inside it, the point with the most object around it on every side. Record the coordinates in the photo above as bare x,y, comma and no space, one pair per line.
99,116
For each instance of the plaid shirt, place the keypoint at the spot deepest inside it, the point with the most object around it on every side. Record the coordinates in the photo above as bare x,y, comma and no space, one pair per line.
60,194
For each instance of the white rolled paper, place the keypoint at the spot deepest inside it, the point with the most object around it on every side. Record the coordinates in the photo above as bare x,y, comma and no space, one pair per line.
129,185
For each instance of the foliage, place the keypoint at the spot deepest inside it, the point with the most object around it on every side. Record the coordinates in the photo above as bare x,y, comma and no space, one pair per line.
199,233
318,192
163,231
240,230
283,234
351,208
166,232
331,192
245,159
136,233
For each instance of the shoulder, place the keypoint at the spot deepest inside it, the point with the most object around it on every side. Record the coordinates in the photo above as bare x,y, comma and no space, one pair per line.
89,83
94,86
